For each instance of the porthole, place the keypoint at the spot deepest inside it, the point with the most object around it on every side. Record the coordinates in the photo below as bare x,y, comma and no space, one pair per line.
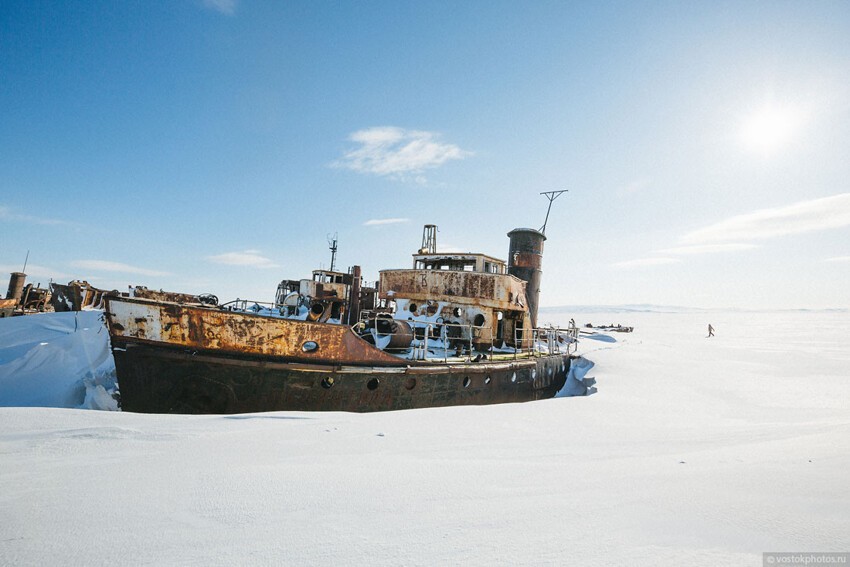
479,320
466,382
549,371
487,380
534,373
373,384
310,346
410,383
327,382
457,312
513,377
412,308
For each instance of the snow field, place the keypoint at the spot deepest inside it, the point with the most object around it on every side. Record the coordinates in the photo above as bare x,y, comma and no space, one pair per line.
693,451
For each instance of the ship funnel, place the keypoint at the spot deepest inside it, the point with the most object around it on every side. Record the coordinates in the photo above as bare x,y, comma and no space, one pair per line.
525,261
16,285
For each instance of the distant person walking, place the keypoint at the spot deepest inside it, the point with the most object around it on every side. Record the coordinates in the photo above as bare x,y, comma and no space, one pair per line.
710,330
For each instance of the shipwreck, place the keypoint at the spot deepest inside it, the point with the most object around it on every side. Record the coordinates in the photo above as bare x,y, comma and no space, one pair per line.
454,329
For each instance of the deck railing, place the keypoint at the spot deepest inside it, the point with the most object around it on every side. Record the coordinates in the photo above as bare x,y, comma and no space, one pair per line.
248,305
471,341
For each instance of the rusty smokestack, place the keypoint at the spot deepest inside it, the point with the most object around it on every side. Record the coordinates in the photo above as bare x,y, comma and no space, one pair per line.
525,261
354,297
16,286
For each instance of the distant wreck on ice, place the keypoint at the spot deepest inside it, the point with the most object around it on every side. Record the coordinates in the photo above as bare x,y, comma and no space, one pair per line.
23,298
28,299
455,329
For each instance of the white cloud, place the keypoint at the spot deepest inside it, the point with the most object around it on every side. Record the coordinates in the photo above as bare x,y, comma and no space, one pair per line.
708,248
379,222
250,258
682,251
838,259
642,262
392,151
227,7
7,214
805,216
107,266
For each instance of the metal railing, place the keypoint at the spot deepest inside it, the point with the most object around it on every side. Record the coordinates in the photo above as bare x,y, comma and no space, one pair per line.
248,305
471,341
551,338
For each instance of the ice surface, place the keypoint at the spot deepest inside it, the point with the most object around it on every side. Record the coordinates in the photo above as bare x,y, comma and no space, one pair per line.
694,451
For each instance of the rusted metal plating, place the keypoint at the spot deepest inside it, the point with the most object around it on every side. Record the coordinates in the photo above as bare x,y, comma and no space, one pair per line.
495,304
166,380
494,291
525,261
228,332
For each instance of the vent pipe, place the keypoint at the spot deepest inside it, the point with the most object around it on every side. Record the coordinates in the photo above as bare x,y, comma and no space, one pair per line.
354,297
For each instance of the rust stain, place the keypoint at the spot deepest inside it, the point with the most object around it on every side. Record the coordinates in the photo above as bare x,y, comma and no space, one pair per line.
494,291
202,328
174,297
527,260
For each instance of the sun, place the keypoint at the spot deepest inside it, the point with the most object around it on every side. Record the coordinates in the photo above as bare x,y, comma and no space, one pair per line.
770,128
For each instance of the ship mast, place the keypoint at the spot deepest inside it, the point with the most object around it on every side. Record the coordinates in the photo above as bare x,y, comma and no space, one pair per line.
551,195
332,245
429,239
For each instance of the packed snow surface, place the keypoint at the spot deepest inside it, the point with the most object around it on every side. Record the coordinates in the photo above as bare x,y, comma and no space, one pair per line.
693,451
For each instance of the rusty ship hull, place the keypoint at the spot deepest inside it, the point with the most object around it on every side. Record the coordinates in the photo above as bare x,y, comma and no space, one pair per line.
177,358
167,380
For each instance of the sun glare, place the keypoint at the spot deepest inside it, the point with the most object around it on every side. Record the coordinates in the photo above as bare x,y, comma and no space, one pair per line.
770,128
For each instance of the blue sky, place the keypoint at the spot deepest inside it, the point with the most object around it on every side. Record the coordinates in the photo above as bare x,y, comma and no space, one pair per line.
211,146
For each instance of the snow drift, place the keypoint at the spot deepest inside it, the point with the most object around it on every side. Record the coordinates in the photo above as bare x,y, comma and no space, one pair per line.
57,360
